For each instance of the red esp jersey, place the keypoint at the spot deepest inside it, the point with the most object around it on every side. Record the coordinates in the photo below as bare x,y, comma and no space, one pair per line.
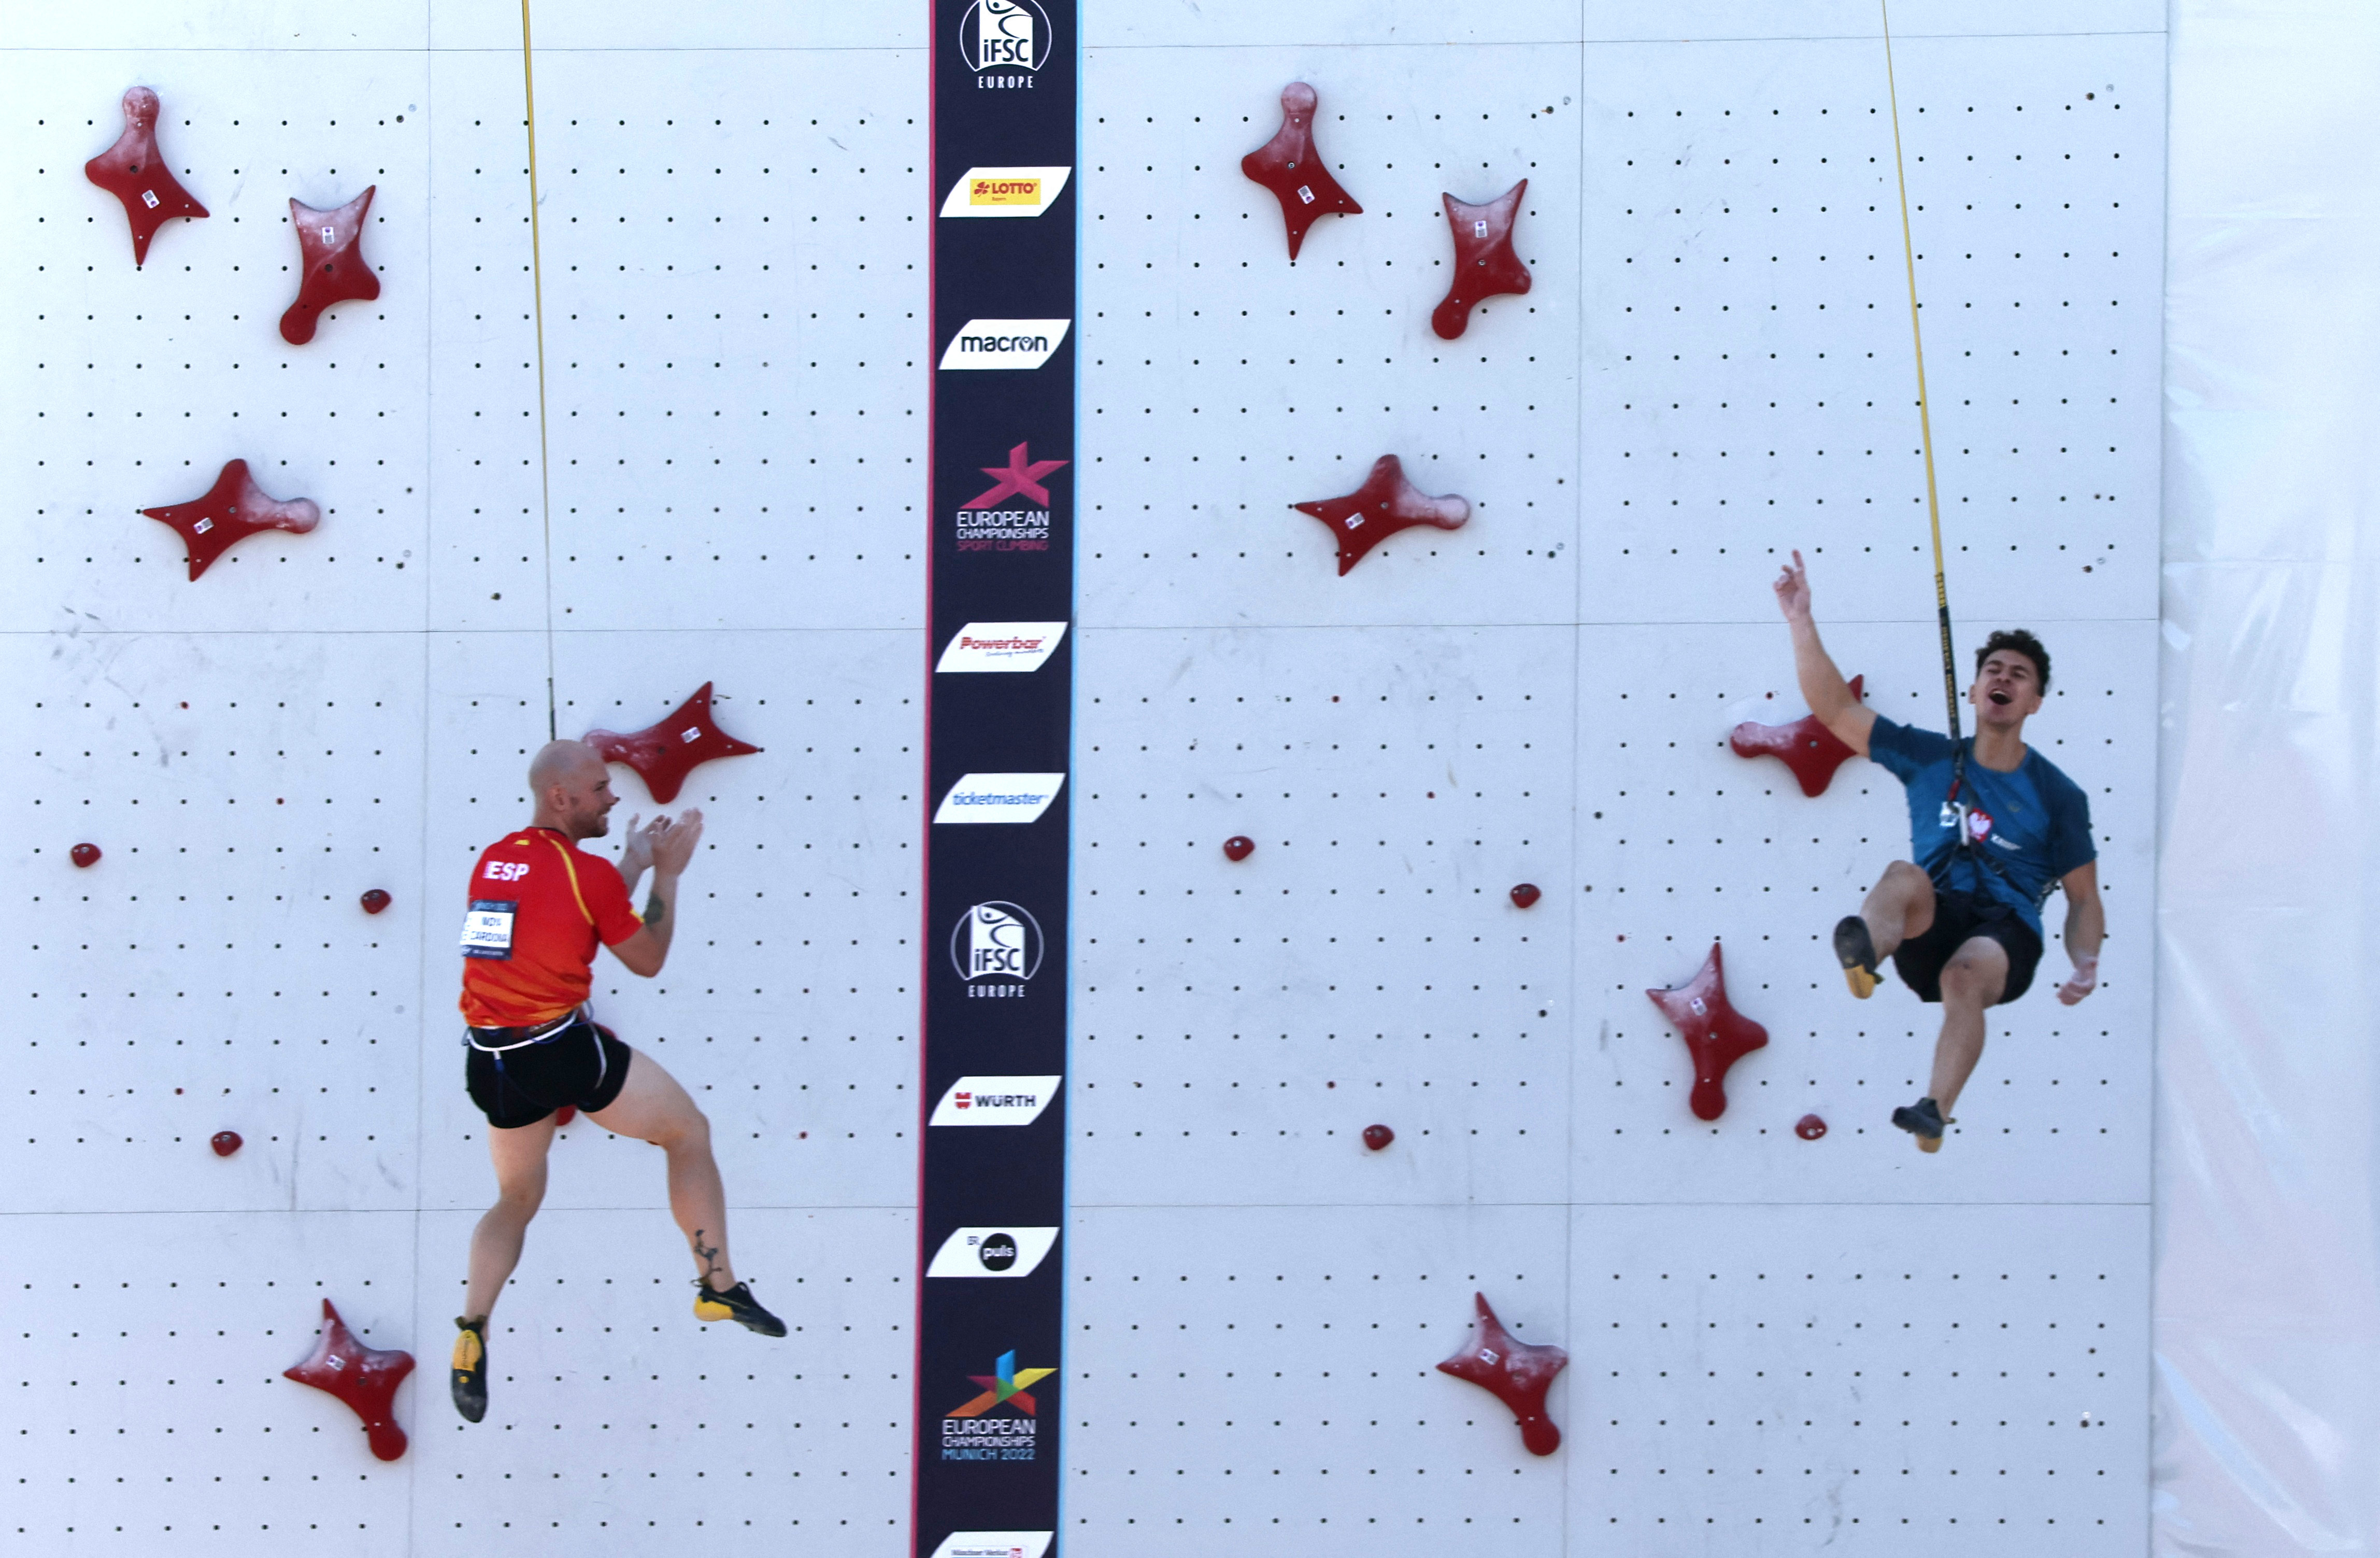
538,906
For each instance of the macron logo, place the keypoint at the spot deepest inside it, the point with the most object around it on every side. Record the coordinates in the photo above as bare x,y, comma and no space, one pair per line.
1005,343
1001,646
1000,797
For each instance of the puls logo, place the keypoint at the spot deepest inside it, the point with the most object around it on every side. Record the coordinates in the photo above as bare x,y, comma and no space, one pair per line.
990,522
1001,1423
991,1252
1000,37
996,948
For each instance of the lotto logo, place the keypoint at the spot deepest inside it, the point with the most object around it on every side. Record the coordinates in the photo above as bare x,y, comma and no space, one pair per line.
506,870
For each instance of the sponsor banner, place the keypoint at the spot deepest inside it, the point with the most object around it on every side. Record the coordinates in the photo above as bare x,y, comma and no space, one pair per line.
991,1252
1005,191
995,1101
1004,343
993,1544
1000,797
999,506
1001,646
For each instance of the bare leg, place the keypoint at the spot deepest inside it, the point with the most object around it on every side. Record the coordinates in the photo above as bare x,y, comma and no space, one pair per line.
1898,907
653,1108
519,1157
1972,982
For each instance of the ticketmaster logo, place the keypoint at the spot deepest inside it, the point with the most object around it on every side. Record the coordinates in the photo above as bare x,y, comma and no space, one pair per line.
1005,191
1004,343
1001,646
994,1544
1000,797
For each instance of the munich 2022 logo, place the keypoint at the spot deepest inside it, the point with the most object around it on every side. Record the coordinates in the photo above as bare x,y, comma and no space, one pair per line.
996,948
999,38
993,521
1002,1424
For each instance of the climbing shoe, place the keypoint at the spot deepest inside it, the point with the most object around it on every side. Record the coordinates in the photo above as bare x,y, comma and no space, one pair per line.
738,1304
1923,1120
468,1378
1856,953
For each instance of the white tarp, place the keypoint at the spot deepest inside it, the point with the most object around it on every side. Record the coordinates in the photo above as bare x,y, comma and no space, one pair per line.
2268,1379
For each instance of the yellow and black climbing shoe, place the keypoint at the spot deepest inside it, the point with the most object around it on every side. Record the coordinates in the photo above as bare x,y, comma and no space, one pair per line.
1856,953
1923,1120
468,1378
738,1304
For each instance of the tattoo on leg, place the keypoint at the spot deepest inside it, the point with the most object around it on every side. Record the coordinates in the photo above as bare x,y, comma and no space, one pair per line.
708,1255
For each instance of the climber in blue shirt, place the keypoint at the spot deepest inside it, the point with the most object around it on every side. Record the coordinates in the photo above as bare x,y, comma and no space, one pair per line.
1994,826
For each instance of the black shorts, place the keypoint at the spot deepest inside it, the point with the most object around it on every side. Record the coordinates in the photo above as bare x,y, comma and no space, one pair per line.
584,1066
1958,917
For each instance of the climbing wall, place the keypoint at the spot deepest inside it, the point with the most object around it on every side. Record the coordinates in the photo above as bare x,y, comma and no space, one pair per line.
1776,1345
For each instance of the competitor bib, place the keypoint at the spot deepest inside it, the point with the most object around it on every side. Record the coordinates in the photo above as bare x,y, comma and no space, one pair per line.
488,929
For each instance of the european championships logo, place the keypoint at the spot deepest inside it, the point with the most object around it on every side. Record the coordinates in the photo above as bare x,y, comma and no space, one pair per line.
971,1431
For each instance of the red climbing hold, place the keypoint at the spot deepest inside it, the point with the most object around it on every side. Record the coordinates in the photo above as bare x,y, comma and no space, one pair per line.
1378,1137
663,754
1289,166
1526,895
375,900
329,246
224,1143
1239,847
1809,1127
232,508
365,1378
1715,1033
84,854
1516,1373
1806,747
134,171
563,1115
1485,264
1384,504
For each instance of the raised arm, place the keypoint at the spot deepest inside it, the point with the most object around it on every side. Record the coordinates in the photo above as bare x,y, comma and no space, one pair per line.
2086,926
1823,688
669,847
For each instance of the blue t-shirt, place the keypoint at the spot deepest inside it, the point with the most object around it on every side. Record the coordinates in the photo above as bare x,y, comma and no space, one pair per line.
2034,824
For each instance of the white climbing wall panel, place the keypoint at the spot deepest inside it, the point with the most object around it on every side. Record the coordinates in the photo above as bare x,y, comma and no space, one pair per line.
1778,1346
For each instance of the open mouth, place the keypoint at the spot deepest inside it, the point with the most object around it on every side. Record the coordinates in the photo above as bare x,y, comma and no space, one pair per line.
2000,697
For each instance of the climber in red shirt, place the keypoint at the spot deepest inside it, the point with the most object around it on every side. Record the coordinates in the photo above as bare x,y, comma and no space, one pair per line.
539,908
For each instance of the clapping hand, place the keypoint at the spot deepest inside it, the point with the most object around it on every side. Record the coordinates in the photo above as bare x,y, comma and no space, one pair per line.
2084,980
674,841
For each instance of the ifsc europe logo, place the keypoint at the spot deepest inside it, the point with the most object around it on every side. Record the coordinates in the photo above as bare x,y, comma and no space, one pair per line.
996,948
1001,1423
999,38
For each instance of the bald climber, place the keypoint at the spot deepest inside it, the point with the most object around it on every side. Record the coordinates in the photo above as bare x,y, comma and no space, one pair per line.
538,907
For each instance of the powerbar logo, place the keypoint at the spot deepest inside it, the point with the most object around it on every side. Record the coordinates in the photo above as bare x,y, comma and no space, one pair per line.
1001,646
1004,343
991,1252
1000,797
995,1101
994,1544
1005,191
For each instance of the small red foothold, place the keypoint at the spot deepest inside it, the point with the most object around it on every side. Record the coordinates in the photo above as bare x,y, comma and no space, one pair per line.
1715,1033
365,1378
330,252
1239,847
663,754
375,900
1809,1127
563,1115
134,171
1384,504
1289,166
1485,264
1805,745
1378,1137
225,1142
84,854
232,508
1527,894
1517,1373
